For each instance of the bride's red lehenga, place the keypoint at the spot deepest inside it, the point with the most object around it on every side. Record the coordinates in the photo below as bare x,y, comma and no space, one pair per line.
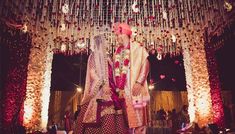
102,111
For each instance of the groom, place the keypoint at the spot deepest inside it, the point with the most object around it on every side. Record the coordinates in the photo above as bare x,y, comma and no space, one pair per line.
131,68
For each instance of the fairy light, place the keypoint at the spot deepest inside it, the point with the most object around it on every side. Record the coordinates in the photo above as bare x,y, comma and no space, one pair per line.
151,87
79,89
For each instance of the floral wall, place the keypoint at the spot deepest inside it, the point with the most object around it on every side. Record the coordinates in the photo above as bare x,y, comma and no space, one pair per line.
197,79
17,44
38,81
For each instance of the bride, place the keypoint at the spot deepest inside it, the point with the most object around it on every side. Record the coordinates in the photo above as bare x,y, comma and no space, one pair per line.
101,108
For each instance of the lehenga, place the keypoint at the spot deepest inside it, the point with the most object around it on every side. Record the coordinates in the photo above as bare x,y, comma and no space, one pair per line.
101,108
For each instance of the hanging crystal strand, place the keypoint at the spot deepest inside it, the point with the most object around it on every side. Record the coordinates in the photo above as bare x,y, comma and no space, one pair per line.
128,12
210,10
194,14
175,15
156,13
119,11
165,22
202,14
114,10
170,2
123,12
80,16
180,13
163,10
161,14
103,14
194,10
153,14
100,13
183,13
188,12
107,12
148,15
91,14
54,14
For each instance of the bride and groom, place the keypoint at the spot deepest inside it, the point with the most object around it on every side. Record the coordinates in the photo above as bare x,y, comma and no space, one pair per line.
116,91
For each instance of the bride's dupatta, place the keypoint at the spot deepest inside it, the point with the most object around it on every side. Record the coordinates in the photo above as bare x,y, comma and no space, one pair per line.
98,98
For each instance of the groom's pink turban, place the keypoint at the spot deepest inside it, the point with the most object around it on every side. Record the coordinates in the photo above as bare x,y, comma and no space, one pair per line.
122,28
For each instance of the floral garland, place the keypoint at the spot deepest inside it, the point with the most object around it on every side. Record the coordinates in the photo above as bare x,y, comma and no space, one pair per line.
121,71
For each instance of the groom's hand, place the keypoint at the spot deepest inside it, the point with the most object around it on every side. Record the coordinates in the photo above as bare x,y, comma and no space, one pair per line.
136,90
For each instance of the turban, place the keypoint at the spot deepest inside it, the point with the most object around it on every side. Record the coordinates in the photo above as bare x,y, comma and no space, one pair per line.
122,28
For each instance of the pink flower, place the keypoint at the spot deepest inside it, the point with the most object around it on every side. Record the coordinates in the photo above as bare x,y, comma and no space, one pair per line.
176,62
123,76
128,47
126,62
119,49
117,64
162,76
151,81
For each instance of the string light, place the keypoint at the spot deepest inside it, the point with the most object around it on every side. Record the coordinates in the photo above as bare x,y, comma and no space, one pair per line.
151,87
79,89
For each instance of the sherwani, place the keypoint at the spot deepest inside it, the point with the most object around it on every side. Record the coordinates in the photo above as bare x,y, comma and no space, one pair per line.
137,72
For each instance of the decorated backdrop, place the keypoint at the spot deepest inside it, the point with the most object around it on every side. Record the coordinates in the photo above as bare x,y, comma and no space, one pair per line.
165,26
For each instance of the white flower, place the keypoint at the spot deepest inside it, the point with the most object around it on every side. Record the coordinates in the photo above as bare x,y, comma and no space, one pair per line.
124,71
117,72
127,51
126,56
117,56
